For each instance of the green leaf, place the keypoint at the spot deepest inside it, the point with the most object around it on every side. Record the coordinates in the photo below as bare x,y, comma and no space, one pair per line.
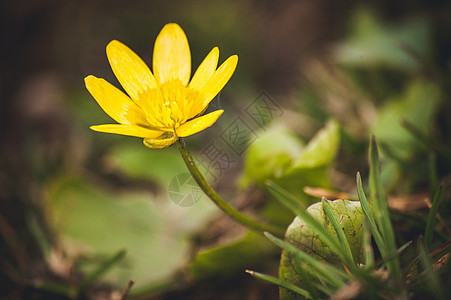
270,155
417,104
321,150
225,261
139,162
98,222
376,43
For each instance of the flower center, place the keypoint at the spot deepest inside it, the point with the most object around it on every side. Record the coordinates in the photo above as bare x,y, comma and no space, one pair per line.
168,107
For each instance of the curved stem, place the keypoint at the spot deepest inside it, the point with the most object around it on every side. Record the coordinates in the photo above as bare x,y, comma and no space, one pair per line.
224,206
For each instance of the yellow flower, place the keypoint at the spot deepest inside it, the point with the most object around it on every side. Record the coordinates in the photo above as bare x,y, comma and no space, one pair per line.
165,105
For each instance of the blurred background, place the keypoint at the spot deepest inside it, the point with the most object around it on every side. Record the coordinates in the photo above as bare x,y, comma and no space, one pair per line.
82,213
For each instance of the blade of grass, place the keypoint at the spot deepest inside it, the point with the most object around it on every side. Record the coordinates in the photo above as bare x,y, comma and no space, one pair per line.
281,283
331,274
288,200
432,172
306,279
100,271
430,223
381,210
326,290
367,247
391,256
409,267
432,280
338,229
55,288
367,211
37,230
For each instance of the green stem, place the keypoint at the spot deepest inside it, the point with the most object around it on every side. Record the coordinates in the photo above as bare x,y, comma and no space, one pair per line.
224,206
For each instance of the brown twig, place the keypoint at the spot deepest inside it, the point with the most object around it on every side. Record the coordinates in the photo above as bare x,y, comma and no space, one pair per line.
127,290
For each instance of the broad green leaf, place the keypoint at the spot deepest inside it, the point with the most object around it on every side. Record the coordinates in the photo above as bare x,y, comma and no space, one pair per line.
159,166
321,150
95,222
418,105
271,154
225,261
281,157
374,43
310,167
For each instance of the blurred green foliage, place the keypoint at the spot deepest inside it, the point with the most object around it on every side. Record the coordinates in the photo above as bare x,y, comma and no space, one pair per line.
341,72
93,221
375,44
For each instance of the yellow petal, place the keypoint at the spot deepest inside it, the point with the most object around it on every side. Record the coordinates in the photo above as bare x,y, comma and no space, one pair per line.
214,85
114,102
198,124
127,130
171,55
133,74
165,140
205,71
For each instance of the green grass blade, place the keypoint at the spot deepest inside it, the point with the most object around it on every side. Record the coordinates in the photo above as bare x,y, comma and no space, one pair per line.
55,288
391,256
381,210
306,278
410,266
430,223
281,283
331,274
367,247
432,172
338,229
367,211
325,289
432,280
100,271
288,200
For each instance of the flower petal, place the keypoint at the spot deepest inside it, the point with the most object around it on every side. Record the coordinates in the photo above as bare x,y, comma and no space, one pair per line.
198,124
214,85
171,56
205,71
165,140
127,130
114,102
133,74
